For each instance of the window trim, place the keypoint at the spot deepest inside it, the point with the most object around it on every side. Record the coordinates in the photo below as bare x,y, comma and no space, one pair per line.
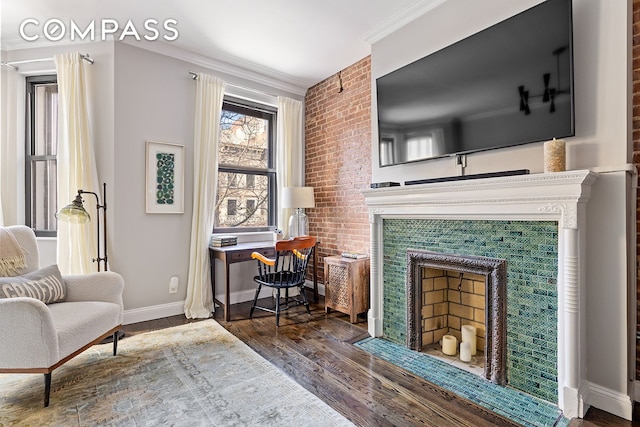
250,108
30,83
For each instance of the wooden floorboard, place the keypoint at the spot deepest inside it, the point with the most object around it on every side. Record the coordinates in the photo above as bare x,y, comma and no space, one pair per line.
316,351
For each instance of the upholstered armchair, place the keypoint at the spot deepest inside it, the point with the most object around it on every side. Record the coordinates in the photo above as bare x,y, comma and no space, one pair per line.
47,319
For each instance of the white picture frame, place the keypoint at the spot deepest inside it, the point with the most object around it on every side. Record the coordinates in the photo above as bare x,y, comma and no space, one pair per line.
164,177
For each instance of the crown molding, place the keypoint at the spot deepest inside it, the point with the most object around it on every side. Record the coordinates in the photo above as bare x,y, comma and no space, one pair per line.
20,44
400,19
230,65
233,66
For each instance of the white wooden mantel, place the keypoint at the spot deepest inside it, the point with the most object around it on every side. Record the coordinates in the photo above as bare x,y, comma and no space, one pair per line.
560,197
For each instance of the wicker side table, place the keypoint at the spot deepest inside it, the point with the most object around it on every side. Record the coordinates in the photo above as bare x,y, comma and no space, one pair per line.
346,285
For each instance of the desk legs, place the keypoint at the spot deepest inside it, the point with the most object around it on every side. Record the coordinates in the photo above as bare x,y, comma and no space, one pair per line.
225,306
212,267
315,275
227,298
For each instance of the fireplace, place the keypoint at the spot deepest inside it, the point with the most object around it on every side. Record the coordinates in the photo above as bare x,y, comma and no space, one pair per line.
534,222
434,308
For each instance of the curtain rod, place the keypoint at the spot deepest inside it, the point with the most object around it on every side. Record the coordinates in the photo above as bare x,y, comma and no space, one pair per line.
194,76
13,64
6,64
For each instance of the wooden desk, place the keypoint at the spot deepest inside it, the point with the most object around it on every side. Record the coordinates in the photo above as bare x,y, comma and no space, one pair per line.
241,253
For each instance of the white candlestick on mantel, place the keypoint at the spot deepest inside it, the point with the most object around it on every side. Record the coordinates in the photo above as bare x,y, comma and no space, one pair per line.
465,351
449,345
469,335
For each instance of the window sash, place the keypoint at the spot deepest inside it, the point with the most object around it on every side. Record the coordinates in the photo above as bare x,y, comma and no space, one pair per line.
270,176
247,176
41,140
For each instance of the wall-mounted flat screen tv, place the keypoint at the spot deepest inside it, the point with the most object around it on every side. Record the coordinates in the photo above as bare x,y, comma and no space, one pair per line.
507,85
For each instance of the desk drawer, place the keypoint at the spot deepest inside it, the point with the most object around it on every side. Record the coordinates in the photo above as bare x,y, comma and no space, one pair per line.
246,255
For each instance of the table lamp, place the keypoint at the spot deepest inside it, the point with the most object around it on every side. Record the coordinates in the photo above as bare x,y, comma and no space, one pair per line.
298,198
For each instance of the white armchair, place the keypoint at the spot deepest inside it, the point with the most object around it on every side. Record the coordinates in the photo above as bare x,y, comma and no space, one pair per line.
38,337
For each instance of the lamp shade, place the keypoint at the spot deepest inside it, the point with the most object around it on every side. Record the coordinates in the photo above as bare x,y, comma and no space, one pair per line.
74,212
298,197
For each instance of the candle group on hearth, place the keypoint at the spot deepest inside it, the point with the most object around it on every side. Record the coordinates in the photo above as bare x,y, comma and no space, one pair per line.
468,345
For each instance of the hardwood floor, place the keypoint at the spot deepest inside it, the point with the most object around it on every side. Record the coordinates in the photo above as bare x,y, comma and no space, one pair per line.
315,350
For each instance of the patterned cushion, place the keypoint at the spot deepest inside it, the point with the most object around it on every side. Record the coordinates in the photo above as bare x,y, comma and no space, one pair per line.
45,284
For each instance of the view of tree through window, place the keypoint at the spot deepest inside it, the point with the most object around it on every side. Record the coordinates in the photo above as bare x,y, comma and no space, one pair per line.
245,174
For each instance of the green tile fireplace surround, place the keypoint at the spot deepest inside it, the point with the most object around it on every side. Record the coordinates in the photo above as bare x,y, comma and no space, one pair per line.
536,222
531,251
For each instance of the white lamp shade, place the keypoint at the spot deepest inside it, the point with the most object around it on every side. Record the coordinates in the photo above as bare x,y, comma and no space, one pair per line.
298,197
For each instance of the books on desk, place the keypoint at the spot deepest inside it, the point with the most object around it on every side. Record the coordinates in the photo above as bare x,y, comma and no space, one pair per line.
220,241
354,255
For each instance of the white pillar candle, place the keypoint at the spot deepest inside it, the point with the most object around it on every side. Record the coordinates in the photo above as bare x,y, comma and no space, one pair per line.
449,345
554,156
465,351
469,335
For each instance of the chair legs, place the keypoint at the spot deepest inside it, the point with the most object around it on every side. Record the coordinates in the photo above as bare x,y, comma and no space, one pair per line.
278,306
115,342
47,388
255,300
47,376
304,299
278,303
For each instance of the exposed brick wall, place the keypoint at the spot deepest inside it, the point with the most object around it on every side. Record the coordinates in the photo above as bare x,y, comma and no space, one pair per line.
636,143
338,160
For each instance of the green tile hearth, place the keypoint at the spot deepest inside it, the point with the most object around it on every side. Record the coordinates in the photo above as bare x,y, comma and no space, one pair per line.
531,251
506,401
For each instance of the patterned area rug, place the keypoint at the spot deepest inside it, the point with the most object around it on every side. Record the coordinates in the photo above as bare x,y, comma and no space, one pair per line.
196,374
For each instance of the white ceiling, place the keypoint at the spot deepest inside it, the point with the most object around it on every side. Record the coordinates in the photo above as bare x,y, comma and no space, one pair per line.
301,42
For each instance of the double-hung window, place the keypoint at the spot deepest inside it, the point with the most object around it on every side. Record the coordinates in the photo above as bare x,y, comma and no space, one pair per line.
246,168
41,151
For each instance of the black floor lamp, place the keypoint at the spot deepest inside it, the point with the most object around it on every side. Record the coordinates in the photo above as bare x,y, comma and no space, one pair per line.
75,212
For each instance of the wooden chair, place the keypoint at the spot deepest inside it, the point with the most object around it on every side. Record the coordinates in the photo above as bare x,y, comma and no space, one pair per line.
287,270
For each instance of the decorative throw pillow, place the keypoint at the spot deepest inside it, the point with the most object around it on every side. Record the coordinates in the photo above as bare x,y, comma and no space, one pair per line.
45,284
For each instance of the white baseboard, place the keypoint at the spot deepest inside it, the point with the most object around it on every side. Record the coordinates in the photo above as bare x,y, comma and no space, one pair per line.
153,312
144,314
611,401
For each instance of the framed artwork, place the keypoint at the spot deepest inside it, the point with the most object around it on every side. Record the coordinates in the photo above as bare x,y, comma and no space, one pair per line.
165,178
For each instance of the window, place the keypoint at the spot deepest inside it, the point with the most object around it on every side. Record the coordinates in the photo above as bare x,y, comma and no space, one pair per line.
251,205
246,168
419,147
41,150
251,181
232,207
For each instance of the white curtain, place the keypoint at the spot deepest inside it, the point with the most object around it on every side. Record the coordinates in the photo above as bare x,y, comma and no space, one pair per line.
76,166
289,151
11,121
209,95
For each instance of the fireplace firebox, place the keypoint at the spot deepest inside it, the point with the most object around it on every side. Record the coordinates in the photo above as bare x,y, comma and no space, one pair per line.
495,273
